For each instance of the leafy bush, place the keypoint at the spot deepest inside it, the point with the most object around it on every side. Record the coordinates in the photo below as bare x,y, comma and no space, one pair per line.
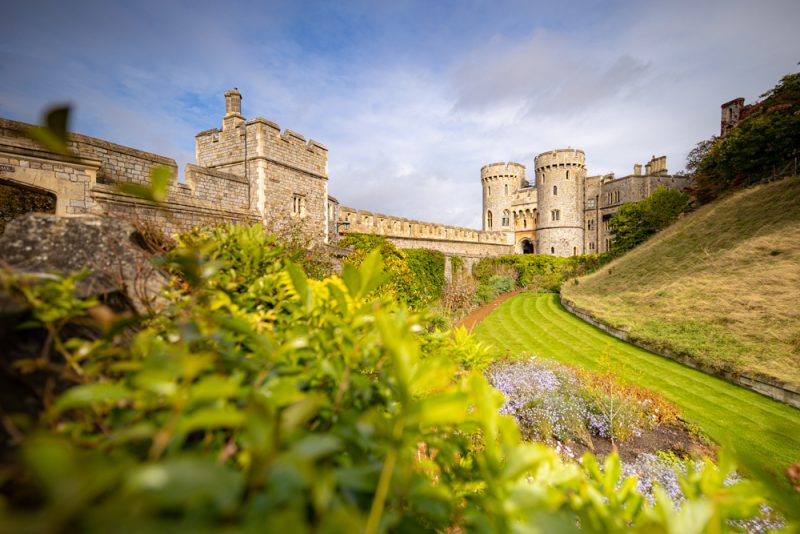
764,144
501,283
428,269
636,222
456,266
484,294
537,271
416,275
276,402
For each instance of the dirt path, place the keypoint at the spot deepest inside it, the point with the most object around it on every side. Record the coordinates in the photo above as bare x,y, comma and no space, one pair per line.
480,314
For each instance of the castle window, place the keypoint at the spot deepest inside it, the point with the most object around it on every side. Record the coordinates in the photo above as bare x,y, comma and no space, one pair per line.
552,250
591,245
524,222
506,218
298,205
506,189
590,224
488,219
567,175
555,215
490,190
555,189
574,251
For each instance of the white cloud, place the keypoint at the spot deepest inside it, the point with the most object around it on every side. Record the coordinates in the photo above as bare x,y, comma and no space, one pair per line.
410,107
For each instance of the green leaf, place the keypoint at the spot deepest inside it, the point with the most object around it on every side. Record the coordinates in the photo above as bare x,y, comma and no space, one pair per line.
300,283
54,134
160,176
352,279
87,394
187,483
317,446
211,418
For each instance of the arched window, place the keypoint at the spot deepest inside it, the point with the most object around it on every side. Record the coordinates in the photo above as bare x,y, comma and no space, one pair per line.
552,250
555,189
488,219
506,218
490,190
567,175
506,189
574,251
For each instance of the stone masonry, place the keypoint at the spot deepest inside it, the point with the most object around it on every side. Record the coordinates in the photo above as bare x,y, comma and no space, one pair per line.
252,171
564,213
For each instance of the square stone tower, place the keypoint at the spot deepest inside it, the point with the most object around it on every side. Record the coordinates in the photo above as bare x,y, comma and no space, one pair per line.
288,175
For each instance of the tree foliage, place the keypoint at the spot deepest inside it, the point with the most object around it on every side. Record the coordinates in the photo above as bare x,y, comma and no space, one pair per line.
636,222
765,144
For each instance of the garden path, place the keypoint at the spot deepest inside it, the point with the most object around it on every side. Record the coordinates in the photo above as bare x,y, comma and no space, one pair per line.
478,315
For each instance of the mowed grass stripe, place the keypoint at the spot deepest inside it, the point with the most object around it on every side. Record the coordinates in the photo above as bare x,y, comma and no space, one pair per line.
721,387
684,393
538,324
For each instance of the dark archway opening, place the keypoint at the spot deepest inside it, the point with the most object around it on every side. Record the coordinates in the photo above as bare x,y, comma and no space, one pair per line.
16,200
527,246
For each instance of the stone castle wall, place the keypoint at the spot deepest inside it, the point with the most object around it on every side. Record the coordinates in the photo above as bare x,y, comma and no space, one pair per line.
84,182
406,233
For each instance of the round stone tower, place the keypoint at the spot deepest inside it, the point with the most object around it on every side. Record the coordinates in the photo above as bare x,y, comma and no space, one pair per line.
560,191
499,181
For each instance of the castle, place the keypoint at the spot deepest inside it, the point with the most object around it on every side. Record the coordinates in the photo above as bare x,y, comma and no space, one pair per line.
252,171
564,212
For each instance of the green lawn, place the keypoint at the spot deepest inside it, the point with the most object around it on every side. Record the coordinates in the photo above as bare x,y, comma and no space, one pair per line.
536,323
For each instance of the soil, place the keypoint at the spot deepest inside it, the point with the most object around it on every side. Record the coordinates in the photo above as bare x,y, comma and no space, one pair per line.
481,313
668,438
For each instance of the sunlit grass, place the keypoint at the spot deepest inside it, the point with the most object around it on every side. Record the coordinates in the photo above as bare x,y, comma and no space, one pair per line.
536,323
722,284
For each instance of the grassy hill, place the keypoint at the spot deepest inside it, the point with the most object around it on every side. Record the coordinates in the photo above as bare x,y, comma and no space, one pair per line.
722,284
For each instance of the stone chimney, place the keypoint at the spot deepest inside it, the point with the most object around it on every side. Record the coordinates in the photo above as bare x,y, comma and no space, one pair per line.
637,169
233,110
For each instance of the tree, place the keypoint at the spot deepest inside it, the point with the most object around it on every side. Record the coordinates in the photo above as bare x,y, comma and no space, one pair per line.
636,222
764,145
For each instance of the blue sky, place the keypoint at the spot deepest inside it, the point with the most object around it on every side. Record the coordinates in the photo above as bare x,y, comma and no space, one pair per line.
411,98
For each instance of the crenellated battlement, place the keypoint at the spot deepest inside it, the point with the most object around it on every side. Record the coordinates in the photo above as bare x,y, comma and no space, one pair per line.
367,222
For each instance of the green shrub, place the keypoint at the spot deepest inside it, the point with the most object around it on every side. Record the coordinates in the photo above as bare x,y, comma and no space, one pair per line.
275,402
428,269
501,283
537,271
416,276
485,293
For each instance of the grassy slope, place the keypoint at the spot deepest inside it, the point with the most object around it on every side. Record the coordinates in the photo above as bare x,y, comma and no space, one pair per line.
722,284
537,324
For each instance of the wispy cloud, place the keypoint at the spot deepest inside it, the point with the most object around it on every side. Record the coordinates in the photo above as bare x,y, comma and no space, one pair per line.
411,98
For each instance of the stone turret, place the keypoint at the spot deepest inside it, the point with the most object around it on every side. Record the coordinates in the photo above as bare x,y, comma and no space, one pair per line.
500,181
731,114
233,110
560,184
